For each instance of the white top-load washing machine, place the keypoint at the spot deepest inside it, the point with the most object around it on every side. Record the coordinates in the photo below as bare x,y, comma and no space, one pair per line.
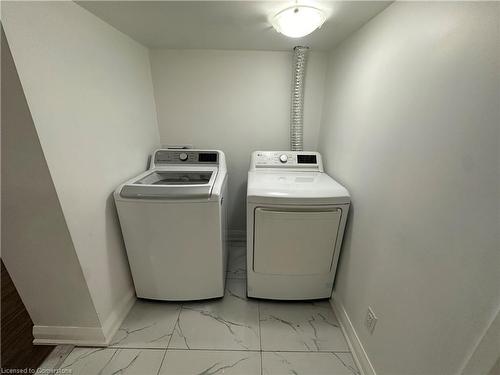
173,219
296,215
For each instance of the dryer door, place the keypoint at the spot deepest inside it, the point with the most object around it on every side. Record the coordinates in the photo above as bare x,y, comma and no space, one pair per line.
294,242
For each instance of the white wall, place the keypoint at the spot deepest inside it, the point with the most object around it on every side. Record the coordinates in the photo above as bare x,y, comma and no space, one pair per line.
37,248
236,101
90,94
411,127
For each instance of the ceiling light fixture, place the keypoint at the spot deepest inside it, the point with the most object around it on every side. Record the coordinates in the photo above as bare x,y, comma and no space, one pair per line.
298,21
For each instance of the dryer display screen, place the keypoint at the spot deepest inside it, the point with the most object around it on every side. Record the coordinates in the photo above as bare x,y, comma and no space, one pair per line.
207,157
306,159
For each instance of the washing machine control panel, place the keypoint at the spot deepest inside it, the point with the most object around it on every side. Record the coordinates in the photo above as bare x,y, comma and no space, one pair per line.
286,159
162,157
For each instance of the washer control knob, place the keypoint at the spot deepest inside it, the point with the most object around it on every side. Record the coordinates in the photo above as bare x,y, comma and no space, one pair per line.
283,158
183,156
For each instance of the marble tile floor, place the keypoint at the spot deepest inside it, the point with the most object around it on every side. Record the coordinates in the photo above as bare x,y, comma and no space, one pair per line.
232,336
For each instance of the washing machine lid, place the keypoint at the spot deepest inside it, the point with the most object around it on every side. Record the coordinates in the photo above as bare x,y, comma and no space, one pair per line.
295,188
174,182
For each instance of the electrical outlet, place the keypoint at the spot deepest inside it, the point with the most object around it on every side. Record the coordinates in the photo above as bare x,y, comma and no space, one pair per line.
371,320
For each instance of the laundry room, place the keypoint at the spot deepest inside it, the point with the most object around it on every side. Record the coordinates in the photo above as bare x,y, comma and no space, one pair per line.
250,187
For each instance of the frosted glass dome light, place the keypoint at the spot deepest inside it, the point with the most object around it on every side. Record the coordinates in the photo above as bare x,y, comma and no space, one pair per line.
298,21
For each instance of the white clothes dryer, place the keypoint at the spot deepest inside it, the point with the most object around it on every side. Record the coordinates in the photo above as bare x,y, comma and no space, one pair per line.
296,215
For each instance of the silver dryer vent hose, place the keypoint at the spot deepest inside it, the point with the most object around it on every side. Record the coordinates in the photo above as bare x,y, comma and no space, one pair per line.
297,107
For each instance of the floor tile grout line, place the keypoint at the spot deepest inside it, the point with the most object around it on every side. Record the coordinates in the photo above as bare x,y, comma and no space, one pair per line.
161,363
228,350
170,339
175,325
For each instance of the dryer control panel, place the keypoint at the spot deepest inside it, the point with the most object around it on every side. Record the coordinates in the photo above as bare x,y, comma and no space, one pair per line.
301,160
163,157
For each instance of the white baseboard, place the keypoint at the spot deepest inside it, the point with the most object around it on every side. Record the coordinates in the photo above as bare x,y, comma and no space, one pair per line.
85,336
117,316
56,335
358,351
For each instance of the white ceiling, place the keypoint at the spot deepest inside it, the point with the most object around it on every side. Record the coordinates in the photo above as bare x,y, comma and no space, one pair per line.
227,24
